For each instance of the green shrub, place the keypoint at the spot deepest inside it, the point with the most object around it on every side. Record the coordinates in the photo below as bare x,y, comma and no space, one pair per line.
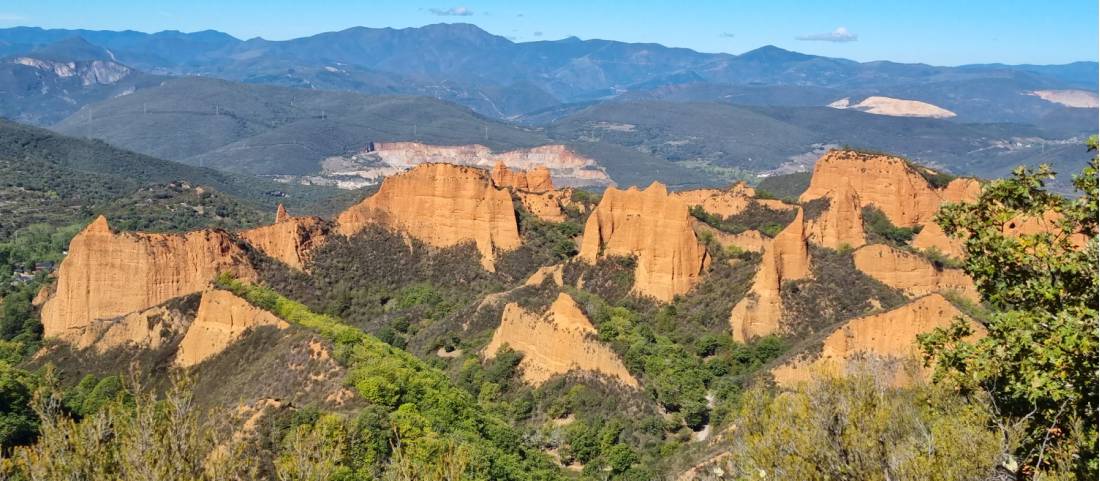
880,230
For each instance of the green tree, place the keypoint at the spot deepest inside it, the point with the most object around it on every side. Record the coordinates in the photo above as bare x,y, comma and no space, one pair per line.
1037,367
18,423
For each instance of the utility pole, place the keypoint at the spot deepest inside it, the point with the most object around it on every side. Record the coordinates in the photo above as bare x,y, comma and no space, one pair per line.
486,133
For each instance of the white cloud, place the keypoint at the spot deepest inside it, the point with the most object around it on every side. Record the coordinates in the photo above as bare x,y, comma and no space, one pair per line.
11,17
726,35
537,34
452,12
841,34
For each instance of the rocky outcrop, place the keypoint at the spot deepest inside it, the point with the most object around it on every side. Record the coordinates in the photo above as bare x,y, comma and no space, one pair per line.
546,206
380,159
785,258
656,228
108,274
537,180
841,223
442,205
289,239
535,190
895,187
554,272
222,319
557,342
885,341
911,273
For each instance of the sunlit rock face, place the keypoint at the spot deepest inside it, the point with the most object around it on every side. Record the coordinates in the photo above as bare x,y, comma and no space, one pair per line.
653,226
556,342
443,205
108,274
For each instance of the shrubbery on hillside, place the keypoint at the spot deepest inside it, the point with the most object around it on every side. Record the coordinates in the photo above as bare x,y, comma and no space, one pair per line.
855,428
423,409
755,217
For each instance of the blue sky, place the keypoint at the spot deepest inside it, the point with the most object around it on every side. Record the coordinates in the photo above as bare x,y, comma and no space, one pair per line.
930,31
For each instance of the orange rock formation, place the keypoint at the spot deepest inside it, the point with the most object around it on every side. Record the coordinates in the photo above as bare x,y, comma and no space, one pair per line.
537,180
221,320
896,188
911,273
655,227
785,258
841,223
442,205
557,342
888,339
289,239
109,274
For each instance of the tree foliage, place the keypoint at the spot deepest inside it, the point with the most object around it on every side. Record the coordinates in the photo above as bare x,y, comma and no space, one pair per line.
1038,364
853,427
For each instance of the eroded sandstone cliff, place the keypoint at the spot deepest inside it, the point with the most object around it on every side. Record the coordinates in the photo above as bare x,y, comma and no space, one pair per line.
785,258
654,226
442,205
895,187
885,342
911,273
108,274
537,180
840,223
289,239
556,342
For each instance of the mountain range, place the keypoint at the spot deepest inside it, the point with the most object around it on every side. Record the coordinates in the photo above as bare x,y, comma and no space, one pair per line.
644,111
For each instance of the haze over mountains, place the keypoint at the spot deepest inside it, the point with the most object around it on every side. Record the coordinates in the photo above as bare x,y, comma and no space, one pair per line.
718,117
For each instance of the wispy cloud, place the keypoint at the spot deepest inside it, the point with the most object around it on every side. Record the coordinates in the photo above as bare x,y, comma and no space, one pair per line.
452,12
726,35
537,34
11,17
841,34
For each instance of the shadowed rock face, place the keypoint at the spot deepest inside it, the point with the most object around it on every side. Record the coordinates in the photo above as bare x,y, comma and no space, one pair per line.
109,274
893,186
556,342
289,239
656,228
884,341
221,320
785,258
911,273
442,205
